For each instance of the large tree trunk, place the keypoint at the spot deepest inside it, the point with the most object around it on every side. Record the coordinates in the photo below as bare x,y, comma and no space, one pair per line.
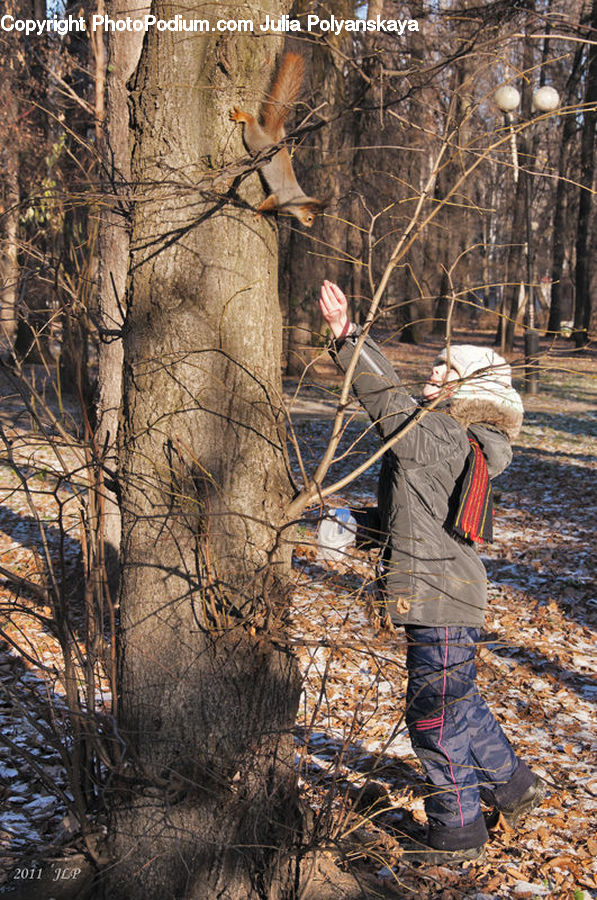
209,687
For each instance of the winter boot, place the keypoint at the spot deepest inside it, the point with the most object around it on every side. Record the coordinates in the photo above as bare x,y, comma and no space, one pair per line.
515,811
532,797
430,856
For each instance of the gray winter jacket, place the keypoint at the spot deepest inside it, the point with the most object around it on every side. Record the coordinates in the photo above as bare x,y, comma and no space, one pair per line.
432,578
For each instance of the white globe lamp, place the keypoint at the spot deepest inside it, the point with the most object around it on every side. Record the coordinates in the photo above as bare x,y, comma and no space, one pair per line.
546,99
507,98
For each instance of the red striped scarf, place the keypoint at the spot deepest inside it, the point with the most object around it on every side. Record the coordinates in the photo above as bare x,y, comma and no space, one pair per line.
473,519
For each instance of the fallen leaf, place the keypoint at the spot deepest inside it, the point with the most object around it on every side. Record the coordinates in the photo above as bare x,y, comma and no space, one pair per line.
562,861
515,873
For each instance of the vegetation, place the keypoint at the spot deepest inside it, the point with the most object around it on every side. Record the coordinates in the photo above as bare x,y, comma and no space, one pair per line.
157,465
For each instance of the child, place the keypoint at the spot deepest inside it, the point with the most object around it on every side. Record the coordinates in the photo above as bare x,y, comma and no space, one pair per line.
434,503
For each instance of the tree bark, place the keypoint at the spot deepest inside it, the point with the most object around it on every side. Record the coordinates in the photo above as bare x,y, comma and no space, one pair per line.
209,686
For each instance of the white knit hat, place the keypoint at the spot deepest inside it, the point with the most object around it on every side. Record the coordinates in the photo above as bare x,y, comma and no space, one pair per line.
484,392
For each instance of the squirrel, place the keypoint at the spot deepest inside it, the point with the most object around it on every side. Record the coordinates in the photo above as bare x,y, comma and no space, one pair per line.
286,194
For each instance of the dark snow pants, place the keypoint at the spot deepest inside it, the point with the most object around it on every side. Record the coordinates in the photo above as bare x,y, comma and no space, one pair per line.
456,737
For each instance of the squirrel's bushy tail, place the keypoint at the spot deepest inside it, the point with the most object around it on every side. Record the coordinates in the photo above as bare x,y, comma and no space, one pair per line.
284,91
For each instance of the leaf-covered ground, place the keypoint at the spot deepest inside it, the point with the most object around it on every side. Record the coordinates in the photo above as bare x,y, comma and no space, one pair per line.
537,665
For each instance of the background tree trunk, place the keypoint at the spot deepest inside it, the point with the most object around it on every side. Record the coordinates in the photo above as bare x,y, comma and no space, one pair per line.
516,252
9,199
323,166
560,231
453,227
582,312
124,51
208,694
9,262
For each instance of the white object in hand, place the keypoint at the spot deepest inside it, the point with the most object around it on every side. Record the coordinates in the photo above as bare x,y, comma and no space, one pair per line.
337,532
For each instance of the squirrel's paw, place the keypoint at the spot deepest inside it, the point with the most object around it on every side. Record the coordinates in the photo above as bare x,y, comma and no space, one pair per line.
270,204
237,115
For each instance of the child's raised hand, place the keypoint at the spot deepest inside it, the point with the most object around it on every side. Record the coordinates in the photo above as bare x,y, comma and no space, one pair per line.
334,309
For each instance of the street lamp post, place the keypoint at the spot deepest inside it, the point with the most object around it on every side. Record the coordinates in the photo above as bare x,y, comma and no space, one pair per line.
545,99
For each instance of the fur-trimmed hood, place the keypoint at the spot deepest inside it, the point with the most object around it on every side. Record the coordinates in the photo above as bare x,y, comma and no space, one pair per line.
505,416
484,392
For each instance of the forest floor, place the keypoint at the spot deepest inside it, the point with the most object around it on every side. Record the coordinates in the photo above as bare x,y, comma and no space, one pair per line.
537,665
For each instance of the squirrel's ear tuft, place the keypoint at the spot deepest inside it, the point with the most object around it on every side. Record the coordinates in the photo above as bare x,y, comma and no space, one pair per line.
323,203
314,206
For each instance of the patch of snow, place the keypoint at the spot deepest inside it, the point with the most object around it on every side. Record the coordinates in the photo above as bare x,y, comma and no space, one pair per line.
386,873
525,887
40,807
18,826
